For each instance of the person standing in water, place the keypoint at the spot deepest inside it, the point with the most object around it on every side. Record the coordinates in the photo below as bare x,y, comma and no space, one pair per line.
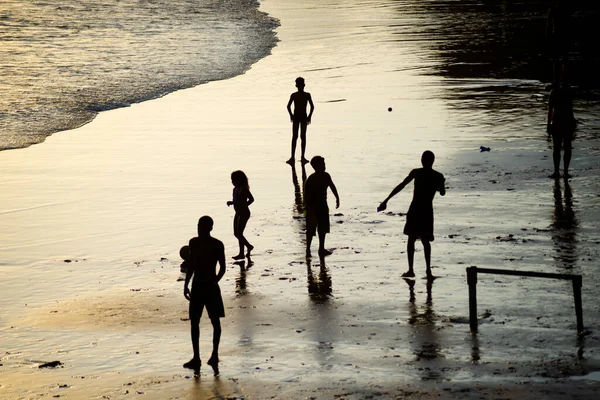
204,254
242,198
300,120
419,219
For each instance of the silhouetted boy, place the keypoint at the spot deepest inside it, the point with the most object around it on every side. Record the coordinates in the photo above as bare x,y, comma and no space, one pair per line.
315,200
205,252
419,219
299,118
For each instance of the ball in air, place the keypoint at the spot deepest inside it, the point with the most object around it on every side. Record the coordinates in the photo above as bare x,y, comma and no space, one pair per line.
390,109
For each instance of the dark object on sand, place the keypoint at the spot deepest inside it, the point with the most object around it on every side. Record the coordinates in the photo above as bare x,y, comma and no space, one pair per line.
472,282
51,364
483,148
390,109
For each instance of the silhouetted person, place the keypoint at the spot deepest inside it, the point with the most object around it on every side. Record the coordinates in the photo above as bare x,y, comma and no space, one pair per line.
561,125
315,200
242,198
205,252
300,120
558,34
419,219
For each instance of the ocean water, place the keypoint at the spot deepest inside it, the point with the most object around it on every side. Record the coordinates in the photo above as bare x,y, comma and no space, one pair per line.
63,61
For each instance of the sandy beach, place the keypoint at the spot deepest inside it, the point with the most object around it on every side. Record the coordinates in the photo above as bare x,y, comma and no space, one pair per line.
92,221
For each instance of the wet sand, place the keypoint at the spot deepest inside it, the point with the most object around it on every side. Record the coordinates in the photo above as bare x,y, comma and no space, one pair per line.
92,221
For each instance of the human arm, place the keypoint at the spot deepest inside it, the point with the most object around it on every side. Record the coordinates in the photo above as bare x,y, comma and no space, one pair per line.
221,263
188,276
250,198
550,110
335,193
394,192
312,108
289,107
442,187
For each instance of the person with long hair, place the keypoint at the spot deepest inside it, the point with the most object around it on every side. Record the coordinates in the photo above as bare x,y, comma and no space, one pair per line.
242,198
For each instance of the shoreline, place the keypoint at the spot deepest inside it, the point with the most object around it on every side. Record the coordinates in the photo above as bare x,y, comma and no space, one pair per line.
114,314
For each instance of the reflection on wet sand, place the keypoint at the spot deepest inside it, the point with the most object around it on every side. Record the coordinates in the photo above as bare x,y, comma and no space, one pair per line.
241,288
564,226
213,389
298,189
325,325
426,345
319,288
246,317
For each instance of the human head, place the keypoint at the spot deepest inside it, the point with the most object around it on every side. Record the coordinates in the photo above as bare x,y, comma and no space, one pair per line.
318,163
427,159
239,178
300,82
184,252
205,225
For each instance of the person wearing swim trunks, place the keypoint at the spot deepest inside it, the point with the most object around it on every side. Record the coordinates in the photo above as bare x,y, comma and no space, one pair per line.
205,253
419,219
300,120
315,204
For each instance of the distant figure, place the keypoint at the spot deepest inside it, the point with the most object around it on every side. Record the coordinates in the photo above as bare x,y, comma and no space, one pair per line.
315,204
559,36
242,198
299,118
561,125
419,219
205,252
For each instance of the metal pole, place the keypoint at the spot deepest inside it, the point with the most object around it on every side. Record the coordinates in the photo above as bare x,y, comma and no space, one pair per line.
578,306
472,281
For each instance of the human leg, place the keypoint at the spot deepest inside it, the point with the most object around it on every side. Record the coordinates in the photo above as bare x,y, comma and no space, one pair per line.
214,358
295,126
243,242
195,362
427,251
567,154
236,232
311,228
556,145
410,253
303,126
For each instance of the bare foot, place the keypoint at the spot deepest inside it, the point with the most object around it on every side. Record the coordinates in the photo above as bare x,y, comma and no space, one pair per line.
408,274
555,175
325,252
194,364
566,175
214,363
291,160
305,161
250,248
430,277
238,257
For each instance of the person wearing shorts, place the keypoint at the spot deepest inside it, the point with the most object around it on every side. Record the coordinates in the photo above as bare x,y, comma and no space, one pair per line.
419,219
205,253
317,210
